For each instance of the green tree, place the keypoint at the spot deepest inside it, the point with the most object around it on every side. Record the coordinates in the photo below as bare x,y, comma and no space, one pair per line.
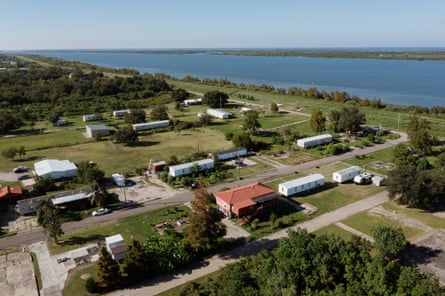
350,119
318,121
135,265
418,134
135,116
126,135
334,119
205,120
215,99
21,151
108,270
389,241
89,172
251,123
205,227
242,140
159,112
9,120
48,217
274,108
404,155
179,95
9,153
98,195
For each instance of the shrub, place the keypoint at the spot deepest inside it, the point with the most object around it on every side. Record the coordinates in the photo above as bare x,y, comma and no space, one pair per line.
91,285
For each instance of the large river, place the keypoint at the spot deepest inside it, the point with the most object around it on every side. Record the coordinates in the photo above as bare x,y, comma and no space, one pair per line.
393,81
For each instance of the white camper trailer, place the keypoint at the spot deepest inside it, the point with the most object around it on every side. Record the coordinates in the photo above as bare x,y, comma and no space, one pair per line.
118,179
301,185
364,178
346,174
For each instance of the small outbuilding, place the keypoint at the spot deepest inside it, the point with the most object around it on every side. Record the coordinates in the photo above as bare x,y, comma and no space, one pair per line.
116,246
300,185
157,167
121,113
97,129
378,180
55,169
245,200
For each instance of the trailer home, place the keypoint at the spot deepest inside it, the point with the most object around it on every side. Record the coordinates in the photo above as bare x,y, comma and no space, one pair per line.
218,113
189,102
346,174
150,125
232,153
314,141
120,113
301,185
92,131
186,168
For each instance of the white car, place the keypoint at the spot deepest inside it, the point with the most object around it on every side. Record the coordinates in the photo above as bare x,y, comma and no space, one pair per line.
101,211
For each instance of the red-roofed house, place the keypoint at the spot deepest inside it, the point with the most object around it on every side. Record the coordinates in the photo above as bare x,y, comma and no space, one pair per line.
9,194
245,200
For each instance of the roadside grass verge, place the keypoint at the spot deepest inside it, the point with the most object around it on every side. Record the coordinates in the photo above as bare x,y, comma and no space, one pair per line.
334,230
425,217
75,284
139,227
35,262
365,221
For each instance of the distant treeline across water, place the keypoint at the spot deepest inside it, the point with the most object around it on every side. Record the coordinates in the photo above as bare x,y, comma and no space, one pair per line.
399,82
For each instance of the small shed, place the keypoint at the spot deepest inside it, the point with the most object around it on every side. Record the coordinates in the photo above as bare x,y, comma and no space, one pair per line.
116,246
120,113
378,180
157,167
97,129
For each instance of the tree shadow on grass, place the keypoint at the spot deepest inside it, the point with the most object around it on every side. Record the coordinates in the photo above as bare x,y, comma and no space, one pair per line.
81,240
415,255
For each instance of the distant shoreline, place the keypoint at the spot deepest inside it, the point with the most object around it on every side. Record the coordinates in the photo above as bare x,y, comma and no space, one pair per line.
420,54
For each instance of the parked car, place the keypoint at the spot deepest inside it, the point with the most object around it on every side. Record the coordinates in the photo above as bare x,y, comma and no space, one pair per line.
62,259
23,177
20,169
101,211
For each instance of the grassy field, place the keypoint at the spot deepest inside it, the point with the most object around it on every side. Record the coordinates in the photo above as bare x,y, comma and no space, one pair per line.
75,284
139,227
384,118
335,230
364,222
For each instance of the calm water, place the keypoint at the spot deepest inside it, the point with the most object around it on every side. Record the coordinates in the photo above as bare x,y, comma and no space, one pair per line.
396,82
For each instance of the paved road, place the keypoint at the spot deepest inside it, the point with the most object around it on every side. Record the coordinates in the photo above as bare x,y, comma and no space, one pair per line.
35,235
161,284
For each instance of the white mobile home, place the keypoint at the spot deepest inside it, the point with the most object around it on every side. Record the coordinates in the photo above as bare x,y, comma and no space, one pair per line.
150,125
314,141
192,102
89,117
301,185
120,113
219,113
346,174
232,153
97,129
186,168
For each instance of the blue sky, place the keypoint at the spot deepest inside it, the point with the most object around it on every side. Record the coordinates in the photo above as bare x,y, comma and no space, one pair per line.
86,24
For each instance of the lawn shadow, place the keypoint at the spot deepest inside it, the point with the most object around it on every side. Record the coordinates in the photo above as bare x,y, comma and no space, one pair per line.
81,240
417,254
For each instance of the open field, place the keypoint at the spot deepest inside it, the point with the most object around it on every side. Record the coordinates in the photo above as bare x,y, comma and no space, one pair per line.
425,217
334,229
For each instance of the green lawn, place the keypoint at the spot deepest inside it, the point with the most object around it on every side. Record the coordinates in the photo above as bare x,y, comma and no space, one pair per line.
139,227
417,214
365,221
75,284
